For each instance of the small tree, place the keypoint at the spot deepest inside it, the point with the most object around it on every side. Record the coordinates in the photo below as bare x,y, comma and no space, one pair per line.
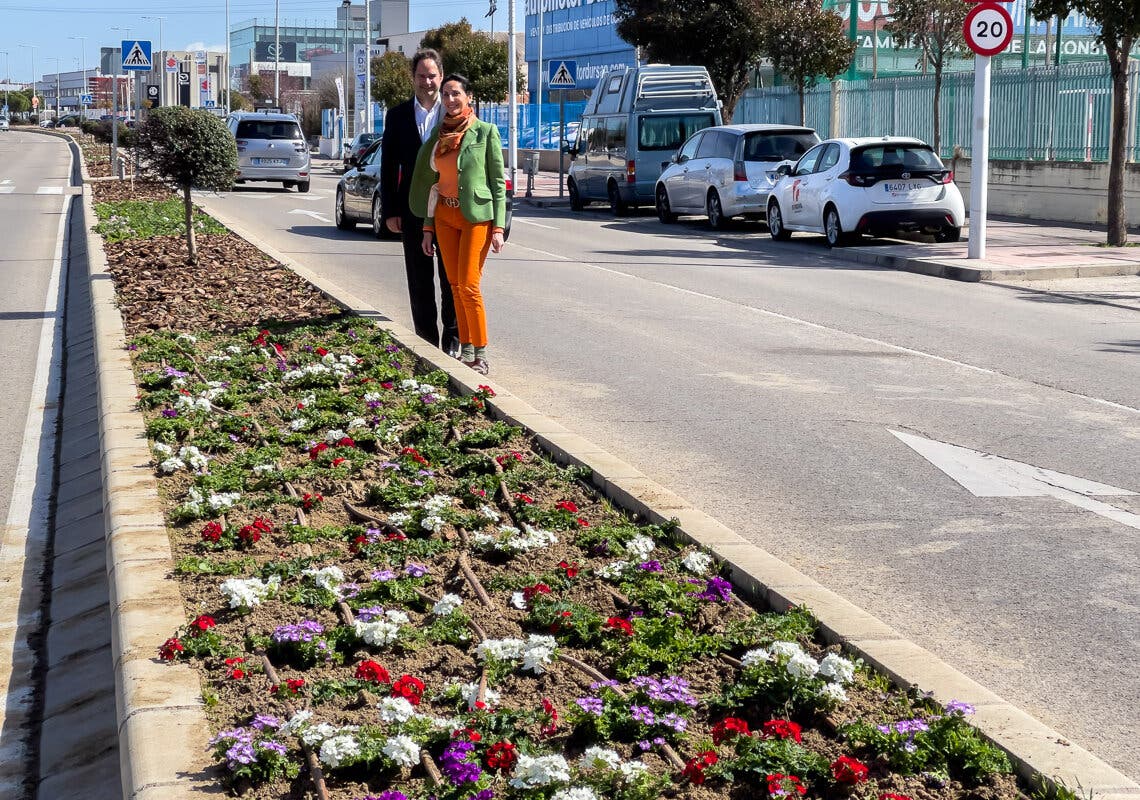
257,88
935,28
188,148
804,42
473,54
391,78
1119,22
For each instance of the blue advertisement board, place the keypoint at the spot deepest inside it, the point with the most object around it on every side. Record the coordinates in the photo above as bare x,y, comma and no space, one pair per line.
582,30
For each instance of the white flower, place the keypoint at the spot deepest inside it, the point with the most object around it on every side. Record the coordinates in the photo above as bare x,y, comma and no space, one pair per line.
372,397
754,657
194,501
786,649
426,388
400,519
162,450
194,458
632,770
639,547
402,750
397,616
223,501
575,793
378,633
396,709
335,435
432,523
189,403
697,562
488,513
215,358
500,649
178,383
470,693
249,592
802,666
599,758
233,350
316,734
437,503
837,668
170,465
447,604
357,422
613,570
833,691
338,749
296,722
539,652
349,360
409,383
264,469
531,771
328,358
186,337
329,578
518,600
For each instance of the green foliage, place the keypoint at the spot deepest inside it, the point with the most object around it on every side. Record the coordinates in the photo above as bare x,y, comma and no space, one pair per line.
449,629
391,78
796,624
328,689
659,644
202,565
189,148
573,624
145,219
493,435
756,757
472,53
678,33
268,764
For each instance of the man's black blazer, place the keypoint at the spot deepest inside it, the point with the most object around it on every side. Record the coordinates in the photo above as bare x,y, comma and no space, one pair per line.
398,151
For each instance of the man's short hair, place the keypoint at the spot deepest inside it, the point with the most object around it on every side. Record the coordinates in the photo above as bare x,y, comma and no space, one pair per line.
426,54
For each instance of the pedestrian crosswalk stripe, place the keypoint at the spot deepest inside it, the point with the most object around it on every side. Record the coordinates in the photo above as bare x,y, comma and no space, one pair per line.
50,190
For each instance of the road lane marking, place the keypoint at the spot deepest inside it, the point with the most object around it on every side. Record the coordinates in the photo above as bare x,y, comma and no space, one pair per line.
987,475
50,190
829,329
306,212
535,224
7,189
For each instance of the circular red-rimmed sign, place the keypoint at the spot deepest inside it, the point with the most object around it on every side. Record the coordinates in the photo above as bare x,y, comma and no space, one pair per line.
988,29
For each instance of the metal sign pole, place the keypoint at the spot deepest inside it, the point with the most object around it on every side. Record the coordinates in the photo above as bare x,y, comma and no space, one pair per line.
561,140
980,155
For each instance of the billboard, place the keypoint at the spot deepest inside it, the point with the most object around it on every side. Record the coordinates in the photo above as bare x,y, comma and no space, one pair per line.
580,30
267,51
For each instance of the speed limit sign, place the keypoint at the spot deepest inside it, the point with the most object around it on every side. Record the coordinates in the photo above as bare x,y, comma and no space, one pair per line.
988,29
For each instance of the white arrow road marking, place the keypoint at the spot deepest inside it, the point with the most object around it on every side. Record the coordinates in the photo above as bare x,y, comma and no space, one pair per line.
310,197
985,475
309,213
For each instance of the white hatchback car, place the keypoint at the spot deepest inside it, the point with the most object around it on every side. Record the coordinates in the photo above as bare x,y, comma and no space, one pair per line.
727,171
844,188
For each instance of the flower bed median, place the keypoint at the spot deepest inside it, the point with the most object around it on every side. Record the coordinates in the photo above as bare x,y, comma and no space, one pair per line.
389,594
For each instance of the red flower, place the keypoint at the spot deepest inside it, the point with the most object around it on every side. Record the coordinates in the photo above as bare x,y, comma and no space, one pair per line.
212,532
236,672
524,498
170,649
201,624
694,771
781,729
566,505
372,672
487,390
346,441
781,785
551,714
262,338
316,450
310,500
248,534
470,734
502,756
619,624
507,458
477,490
322,352
410,688
530,592
848,770
279,349
357,543
893,796
414,454
336,462
571,570
395,536
728,728
584,523
292,686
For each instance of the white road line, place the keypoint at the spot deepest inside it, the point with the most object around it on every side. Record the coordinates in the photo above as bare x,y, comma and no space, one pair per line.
527,221
7,189
50,190
24,539
306,212
827,328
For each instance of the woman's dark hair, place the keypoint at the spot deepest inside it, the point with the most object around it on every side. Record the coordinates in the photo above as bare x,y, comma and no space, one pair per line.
460,79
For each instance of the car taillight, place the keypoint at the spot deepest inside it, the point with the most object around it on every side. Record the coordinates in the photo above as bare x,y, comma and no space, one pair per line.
631,171
738,171
241,143
510,184
856,179
948,176
299,147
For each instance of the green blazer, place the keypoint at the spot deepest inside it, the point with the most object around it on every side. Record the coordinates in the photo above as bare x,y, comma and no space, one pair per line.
482,190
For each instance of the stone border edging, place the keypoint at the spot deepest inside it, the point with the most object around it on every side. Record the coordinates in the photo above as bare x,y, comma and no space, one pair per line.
161,720
1034,748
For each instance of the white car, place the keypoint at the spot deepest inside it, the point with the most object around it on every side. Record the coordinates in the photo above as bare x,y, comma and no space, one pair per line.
845,188
4,123
727,171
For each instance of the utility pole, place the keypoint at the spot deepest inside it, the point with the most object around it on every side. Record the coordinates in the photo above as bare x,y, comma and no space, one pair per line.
227,81
32,47
7,77
346,5
83,66
161,61
538,80
512,94
368,66
128,76
277,54
56,60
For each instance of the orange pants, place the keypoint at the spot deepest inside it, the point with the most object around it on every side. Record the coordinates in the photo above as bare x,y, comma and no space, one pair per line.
463,246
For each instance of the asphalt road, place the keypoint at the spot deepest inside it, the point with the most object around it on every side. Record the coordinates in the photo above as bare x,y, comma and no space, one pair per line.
34,170
762,381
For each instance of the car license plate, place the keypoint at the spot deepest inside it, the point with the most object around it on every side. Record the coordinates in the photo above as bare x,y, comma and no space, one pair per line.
905,187
270,162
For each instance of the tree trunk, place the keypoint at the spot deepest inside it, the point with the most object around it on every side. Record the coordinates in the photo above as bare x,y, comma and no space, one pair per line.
1117,216
803,113
937,143
191,244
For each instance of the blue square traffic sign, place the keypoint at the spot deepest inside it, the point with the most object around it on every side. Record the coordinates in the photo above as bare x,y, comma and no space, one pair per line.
136,56
562,73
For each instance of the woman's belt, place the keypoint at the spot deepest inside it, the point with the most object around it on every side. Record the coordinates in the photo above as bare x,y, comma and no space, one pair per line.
453,202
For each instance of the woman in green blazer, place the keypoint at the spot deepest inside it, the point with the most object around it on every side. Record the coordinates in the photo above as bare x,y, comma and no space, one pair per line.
458,188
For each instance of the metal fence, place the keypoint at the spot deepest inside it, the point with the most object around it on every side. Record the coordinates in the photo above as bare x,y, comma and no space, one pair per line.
528,122
1039,114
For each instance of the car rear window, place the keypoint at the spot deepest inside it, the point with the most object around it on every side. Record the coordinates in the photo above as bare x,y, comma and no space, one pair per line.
880,158
778,145
669,131
268,129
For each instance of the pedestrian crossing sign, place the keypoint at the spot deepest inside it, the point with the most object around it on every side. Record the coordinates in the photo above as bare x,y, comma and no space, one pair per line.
562,74
136,56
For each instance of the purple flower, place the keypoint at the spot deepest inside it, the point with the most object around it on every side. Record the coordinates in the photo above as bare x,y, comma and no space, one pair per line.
175,373
426,473
911,726
717,589
235,438
602,548
416,570
370,613
169,413
241,752
428,399
383,575
644,744
958,707
282,365
304,631
591,705
484,794
674,721
391,794
272,746
642,714
454,764
349,590
263,721
650,566
604,684
392,348
388,464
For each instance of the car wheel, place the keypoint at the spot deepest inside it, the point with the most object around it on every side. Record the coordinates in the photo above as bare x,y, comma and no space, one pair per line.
303,187
378,228
342,220
576,203
833,230
950,233
287,184
776,223
664,213
617,205
717,220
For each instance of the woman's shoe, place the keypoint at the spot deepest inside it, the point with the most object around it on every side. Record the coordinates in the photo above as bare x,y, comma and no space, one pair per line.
479,365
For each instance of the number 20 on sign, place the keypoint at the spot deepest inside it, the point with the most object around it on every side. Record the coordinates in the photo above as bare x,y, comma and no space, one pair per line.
988,28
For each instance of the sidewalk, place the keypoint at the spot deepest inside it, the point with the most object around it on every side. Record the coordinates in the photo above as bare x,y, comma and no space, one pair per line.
1016,249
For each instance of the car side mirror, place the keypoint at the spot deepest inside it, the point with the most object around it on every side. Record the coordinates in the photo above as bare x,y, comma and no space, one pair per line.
784,169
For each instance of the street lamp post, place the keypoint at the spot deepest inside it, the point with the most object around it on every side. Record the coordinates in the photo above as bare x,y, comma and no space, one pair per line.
347,6
368,66
32,47
83,66
56,60
277,54
227,81
129,76
7,77
161,72
875,43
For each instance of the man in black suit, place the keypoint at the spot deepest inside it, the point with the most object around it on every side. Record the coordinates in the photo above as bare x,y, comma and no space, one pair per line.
406,127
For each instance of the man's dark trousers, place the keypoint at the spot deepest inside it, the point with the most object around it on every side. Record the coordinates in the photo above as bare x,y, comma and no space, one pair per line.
421,287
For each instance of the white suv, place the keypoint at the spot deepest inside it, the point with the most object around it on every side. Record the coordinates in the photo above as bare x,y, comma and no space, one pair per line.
844,188
271,147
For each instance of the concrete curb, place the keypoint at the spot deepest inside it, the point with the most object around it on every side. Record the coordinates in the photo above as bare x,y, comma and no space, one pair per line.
160,716
1034,748
984,272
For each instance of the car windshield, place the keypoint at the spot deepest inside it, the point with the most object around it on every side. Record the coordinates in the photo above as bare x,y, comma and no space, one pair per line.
893,158
777,145
669,131
268,129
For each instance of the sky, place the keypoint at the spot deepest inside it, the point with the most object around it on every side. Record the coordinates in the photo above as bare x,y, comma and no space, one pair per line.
188,25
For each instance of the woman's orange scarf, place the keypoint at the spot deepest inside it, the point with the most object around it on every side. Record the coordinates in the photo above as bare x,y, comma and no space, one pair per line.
452,128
